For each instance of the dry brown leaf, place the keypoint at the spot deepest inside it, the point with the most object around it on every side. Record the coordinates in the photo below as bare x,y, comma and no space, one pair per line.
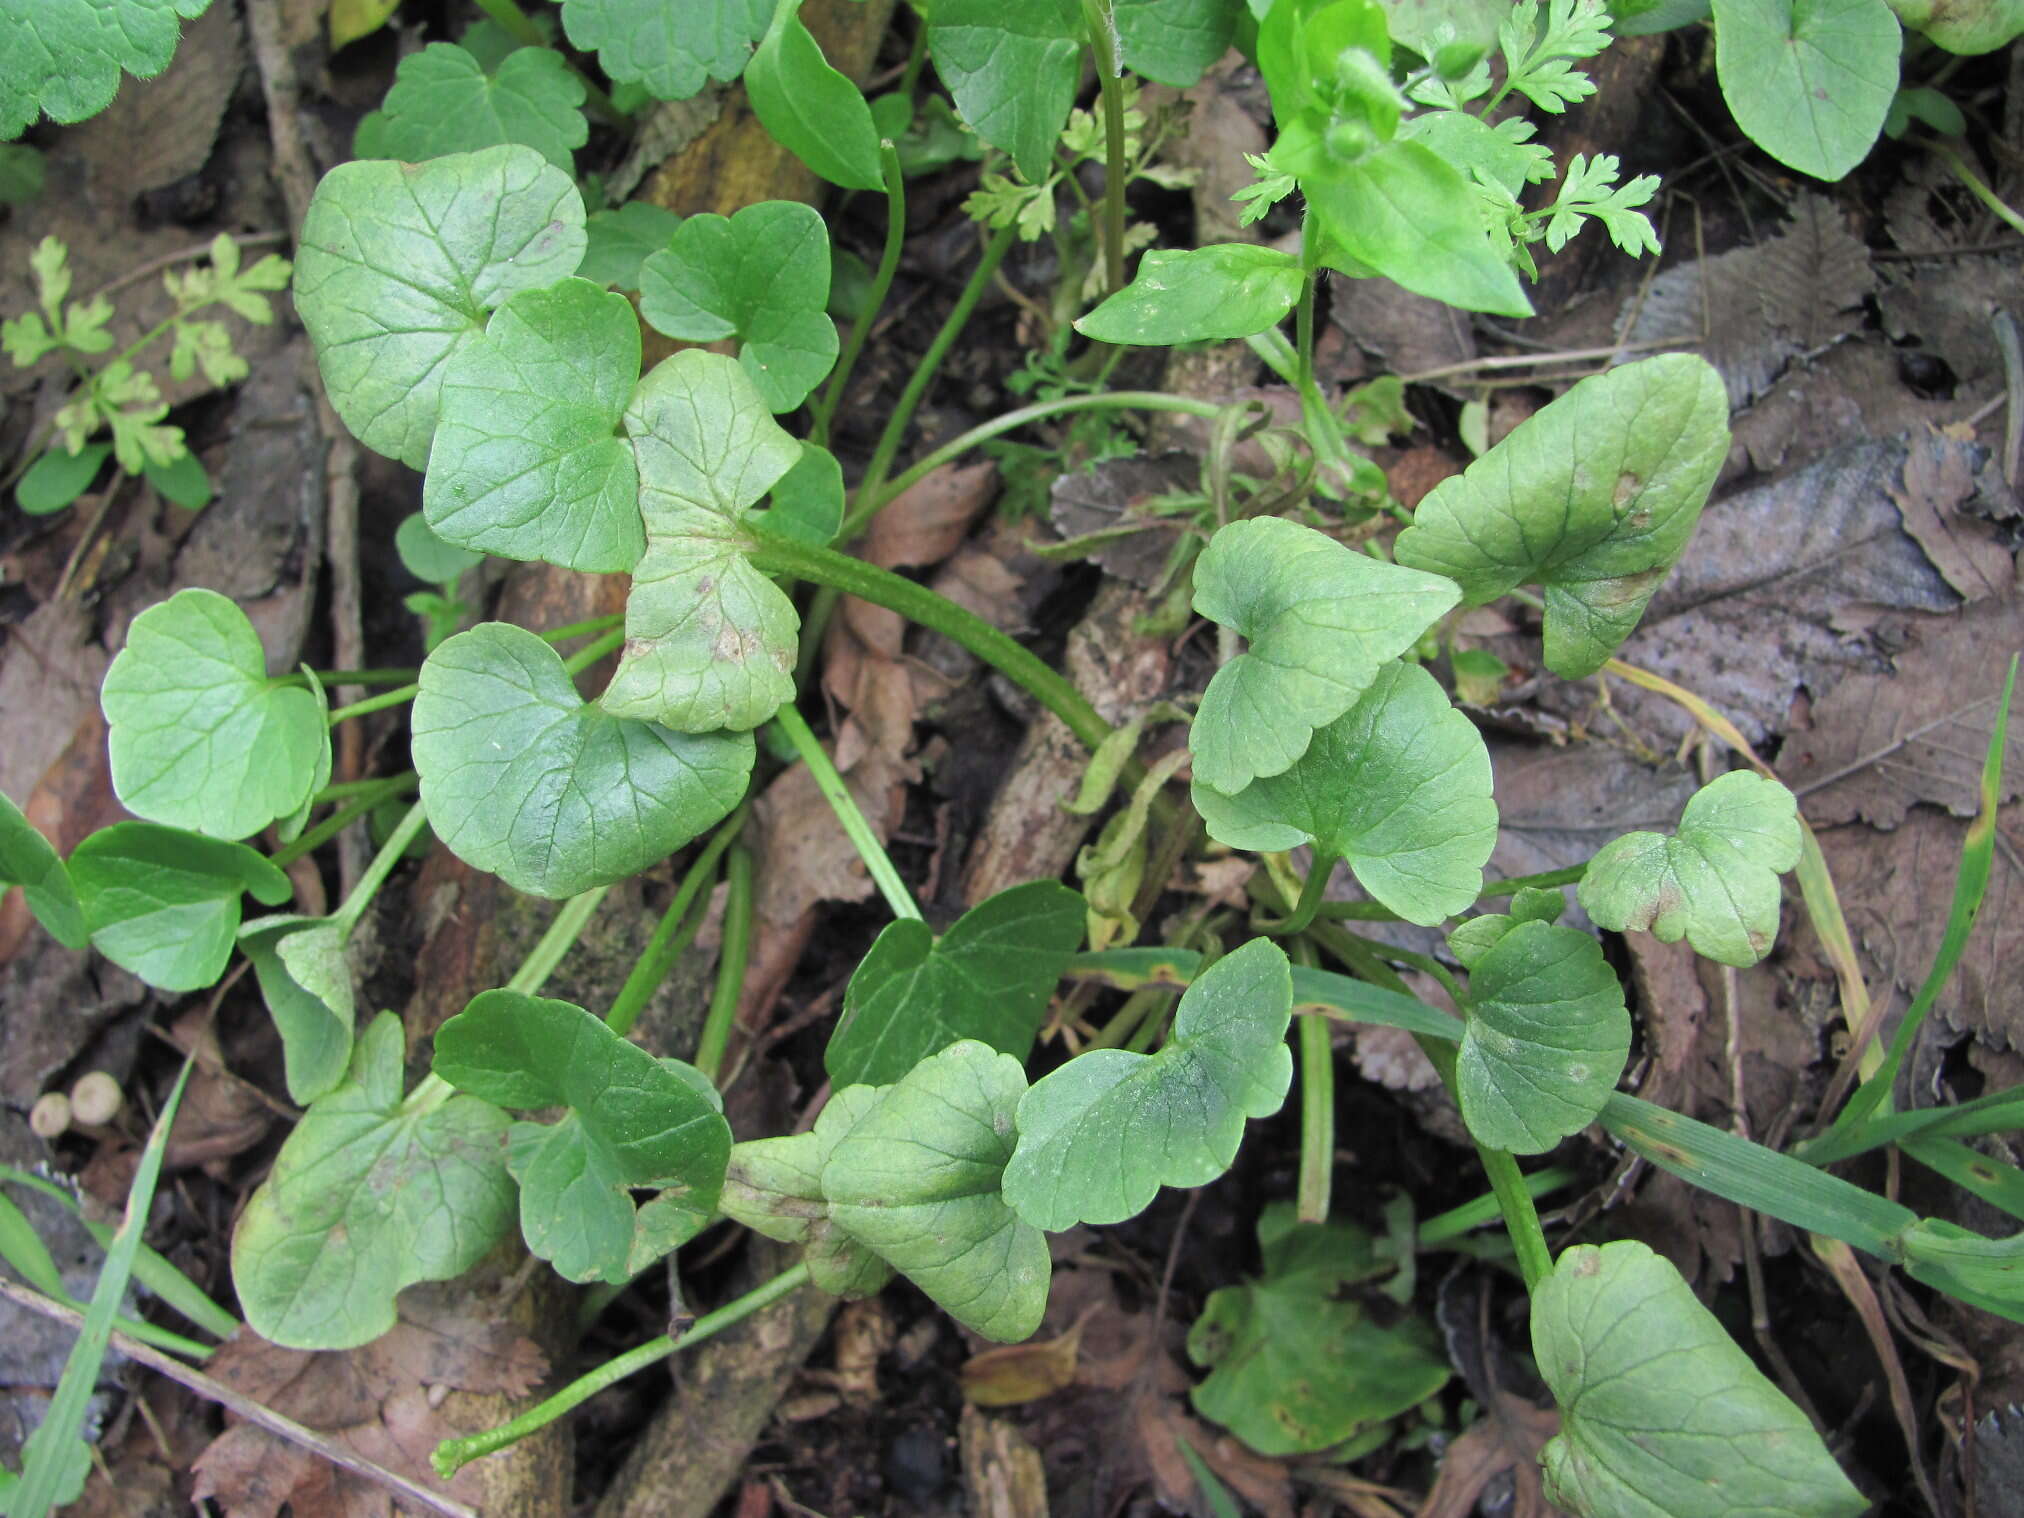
1507,1438
251,1474
1161,1426
929,520
1003,1470
1016,1373
1940,478
1112,497
863,1333
804,856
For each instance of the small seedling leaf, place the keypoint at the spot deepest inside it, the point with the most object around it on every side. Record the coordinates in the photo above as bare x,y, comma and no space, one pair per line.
1809,81
164,904
988,978
367,1196
59,477
671,49
1228,290
399,263
28,860
1546,1038
181,482
427,557
1321,620
1399,786
774,1186
809,108
527,461
621,240
1102,1134
1013,67
200,737
306,983
1714,882
522,778
64,57
443,101
1173,41
1662,1415
1592,497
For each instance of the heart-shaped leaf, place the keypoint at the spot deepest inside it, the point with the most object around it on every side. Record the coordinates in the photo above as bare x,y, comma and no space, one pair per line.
369,1195
443,101
28,860
1809,81
1101,1135
1398,785
1228,290
527,460
988,978
1173,41
1013,67
1662,1415
522,778
306,983
1321,620
633,1123
200,737
761,276
619,241
774,1186
1592,497
811,109
1546,1038
399,262
710,641
164,904
1714,882
670,49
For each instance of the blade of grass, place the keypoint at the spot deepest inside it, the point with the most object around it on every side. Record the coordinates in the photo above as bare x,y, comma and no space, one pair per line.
22,1248
1995,1181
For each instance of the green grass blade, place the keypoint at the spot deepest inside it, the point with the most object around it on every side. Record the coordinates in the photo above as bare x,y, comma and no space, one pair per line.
1996,1182
1997,1112
22,1248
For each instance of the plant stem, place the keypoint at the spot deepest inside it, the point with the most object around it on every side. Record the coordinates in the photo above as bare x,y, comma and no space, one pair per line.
1102,24
453,1454
342,818
557,941
1544,880
1973,181
346,917
881,284
1317,1120
1457,1221
575,663
399,696
841,802
731,958
331,677
1312,891
591,652
1514,1200
673,933
344,789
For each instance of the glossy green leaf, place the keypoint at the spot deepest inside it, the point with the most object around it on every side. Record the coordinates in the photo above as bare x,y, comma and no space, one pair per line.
1592,497
1714,882
164,904
774,1186
65,57
1173,41
710,641
1299,42
809,108
28,860
368,1195
1013,67
524,779
632,1123
1662,1415
761,276
1546,1038
59,477
619,241
443,101
1321,621
1809,81
1399,786
1227,290
988,978
399,264
1102,1134
427,557
306,983
671,49
1296,1362
916,1181
200,736
807,501
527,461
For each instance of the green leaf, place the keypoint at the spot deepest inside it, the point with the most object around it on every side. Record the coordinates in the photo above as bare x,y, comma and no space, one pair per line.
671,49
427,557
200,736
1538,58
522,778
710,641
1322,619
22,171
988,978
1714,882
633,1122
181,482
1299,42
1227,290
620,241
164,904
808,499
64,57
761,276
444,102
774,1186
1499,154
527,461
1809,81
59,477
306,983
1102,1134
400,262
1546,1038
916,1181
1173,41
369,1195
1662,1415
1978,26
1296,1362
1399,786
1590,189
812,110
1592,497
1012,67
28,860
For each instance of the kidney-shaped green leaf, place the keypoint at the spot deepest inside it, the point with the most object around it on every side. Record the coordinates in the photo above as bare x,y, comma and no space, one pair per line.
524,779
1398,785
28,860
399,263
1593,497
811,109
164,903
671,49
527,460
1714,882
774,1186
1662,1415
1546,1038
306,983
443,101
1101,1135
1809,81
1227,290
367,1196
1321,620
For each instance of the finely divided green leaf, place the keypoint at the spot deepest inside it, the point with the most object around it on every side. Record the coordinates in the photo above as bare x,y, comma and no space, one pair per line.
443,101
1809,81
1592,497
65,56
306,983
774,1186
1102,1134
164,904
28,860
671,49
1227,290
1173,41
811,109
1013,67
399,264
1399,786
524,779
1662,1415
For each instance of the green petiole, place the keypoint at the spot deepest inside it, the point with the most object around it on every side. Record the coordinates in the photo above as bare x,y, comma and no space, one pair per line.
841,802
